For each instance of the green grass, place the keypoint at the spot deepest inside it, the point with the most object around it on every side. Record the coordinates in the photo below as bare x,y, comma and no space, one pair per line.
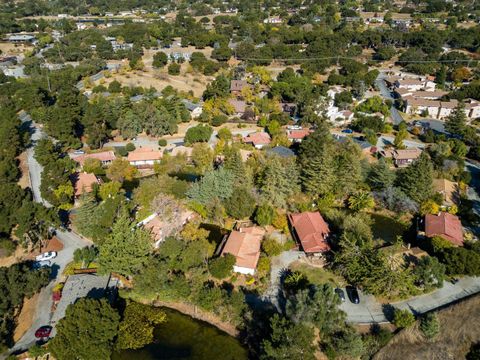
318,276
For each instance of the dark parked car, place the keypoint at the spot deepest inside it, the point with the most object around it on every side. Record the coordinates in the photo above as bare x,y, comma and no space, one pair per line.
347,131
352,293
340,293
43,332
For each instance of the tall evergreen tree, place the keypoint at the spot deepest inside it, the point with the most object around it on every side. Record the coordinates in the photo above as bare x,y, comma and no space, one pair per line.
380,176
456,122
318,175
416,181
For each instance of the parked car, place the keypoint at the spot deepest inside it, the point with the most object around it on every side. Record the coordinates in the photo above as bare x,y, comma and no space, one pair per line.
43,332
46,256
352,293
347,131
42,264
340,293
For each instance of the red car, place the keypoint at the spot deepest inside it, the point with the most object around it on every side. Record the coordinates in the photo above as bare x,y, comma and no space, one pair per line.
43,332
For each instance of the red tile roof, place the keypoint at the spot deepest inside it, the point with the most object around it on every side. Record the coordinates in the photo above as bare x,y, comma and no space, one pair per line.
298,134
83,182
259,138
144,154
245,246
311,231
104,156
445,225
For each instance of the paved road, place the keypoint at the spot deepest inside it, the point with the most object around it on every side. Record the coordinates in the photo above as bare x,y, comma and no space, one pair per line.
371,311
385,92
71,242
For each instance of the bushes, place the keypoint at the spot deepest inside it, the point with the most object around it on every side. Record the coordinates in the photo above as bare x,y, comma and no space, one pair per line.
403,318
162,142
430,326
130,147
160,59
199,133
271,247
222,266
174,69
264,215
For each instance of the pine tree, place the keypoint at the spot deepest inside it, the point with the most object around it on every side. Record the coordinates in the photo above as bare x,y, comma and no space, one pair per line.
457,120
380,176
416,181
318,175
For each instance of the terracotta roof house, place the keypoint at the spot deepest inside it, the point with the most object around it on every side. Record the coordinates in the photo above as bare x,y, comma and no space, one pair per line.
448,189
83,183
258,139
311,231
105,157
298,135
144,157
445,225
245,246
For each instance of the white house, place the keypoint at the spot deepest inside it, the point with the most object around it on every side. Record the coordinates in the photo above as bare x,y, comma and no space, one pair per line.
144,157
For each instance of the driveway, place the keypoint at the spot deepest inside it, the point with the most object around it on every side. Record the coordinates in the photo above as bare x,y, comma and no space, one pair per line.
369,310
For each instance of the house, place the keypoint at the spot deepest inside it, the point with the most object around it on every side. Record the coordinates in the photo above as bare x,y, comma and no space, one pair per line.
281,151
289,108
160,228
105,157
445,225
472,108
273,20
420,106
258,139
448,189
311,231
195,109
21,38
244,244
236,87
239,106
402,158
83,183
410,84
144,157
297,135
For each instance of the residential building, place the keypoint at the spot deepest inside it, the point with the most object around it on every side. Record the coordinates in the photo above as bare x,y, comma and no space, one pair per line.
195,109
311,231
160,227
83,183
445,225
144,157
448,189
258,139
402,158
297,135
244,244
273,20
105,157
236,87
239,106
21,38
281,151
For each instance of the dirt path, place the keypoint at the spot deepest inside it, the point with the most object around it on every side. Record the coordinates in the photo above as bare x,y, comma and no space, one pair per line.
24,320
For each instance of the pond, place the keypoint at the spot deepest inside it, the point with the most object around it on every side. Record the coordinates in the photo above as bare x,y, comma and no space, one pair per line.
386,228
183,337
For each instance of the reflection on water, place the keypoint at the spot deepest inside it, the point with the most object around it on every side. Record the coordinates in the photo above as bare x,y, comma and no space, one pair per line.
182,337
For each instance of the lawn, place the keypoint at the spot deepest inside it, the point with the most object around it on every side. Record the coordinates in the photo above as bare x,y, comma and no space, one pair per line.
386,229
316,275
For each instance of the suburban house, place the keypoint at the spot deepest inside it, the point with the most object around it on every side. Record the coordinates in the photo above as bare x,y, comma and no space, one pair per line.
414,84
448,189
161,228
144,157
272,20
289,108
244,244
105,157
402,158
281,151
236,87
195,109
21,38
83,183
311,231
298,135
239,106
258,139
445,225
422,94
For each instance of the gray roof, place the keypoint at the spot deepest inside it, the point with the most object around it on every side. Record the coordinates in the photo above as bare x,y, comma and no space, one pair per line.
190,105
80,286
281,151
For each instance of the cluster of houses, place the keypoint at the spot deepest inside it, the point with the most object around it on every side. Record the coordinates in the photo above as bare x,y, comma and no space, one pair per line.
420,98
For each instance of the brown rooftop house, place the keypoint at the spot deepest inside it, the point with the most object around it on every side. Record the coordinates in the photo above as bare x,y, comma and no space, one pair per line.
161,228
239,106
448,189
258,139
105,157
236,87
83,183
298,135
311,231
244,244
402,158
445,225
144,157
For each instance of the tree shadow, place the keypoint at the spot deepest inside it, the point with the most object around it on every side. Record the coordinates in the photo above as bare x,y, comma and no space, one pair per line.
388,311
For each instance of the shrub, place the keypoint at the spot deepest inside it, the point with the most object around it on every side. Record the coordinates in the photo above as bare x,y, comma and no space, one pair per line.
199,133
130,147
162,142
430,326
271,247
264,215
121,151
403,318
222,266
220,119
174,69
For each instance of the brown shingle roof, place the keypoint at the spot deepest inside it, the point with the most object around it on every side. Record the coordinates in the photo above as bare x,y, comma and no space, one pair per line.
104,156
259,138
144,154
237,85
445,225
311,231
83,182
245,246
